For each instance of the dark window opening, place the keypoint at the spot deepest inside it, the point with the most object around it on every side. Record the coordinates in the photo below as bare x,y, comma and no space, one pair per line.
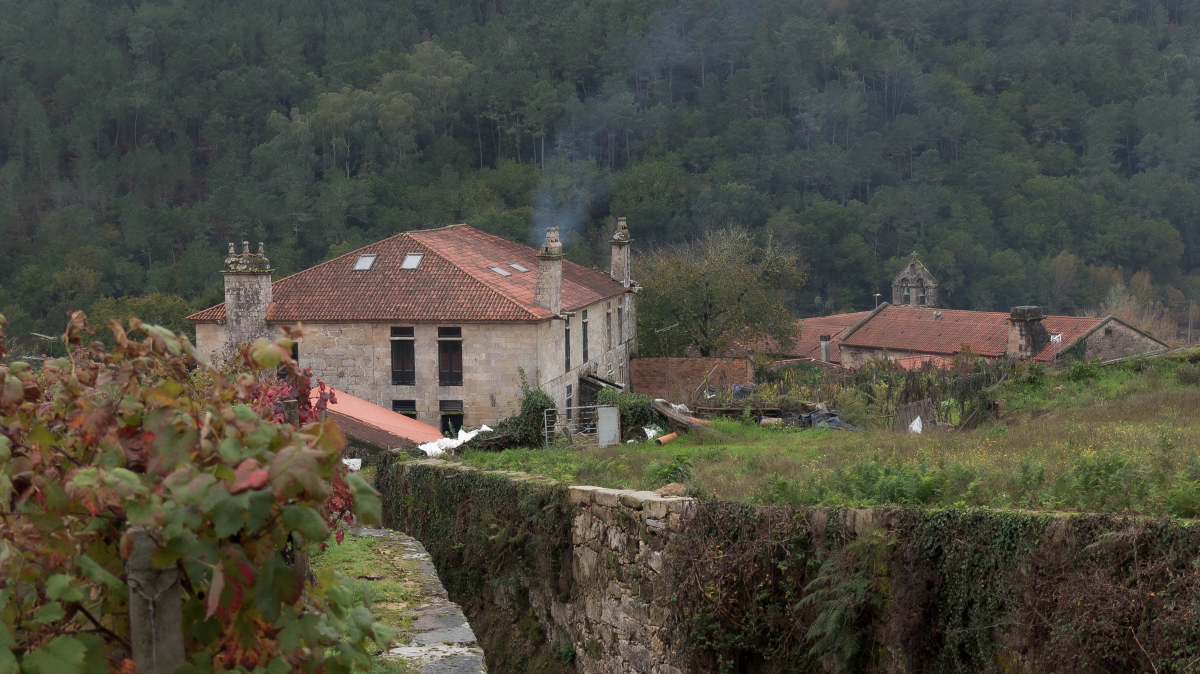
406,407
450,372
449,333
608,327
452,415
921,297
568,402
907,296
404,361
620,325
1107,332
567,344
585,336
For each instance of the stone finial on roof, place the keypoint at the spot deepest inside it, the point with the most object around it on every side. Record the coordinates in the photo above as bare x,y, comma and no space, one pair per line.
247,262
552,245
622,233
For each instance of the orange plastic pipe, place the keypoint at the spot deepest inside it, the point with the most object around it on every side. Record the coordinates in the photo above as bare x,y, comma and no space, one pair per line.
660,441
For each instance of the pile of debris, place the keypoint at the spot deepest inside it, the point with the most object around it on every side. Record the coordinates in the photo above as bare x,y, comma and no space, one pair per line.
819,418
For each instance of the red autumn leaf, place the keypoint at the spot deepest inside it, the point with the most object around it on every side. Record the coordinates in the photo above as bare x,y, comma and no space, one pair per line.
249,475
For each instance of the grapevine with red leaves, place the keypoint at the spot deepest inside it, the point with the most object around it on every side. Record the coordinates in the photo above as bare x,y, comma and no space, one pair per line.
148,435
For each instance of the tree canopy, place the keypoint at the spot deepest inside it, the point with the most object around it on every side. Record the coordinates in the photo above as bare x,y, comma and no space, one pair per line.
708,292
137,138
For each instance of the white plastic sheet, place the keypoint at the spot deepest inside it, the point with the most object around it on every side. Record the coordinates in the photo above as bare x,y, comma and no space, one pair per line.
915,426
353,464
439,447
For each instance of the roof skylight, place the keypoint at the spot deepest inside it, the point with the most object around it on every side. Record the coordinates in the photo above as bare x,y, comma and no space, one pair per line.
500,271
364,262
412,260
518,267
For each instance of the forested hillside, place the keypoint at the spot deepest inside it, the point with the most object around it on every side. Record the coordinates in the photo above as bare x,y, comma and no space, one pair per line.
1029,152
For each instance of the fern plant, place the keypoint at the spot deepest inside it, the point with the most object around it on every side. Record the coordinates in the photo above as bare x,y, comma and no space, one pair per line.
850,590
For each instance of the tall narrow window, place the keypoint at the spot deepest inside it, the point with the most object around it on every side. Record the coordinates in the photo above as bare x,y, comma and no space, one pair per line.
907,296
406,407
585,337
608,328
404,362
450,370
567,343
452,415
569,403
620,323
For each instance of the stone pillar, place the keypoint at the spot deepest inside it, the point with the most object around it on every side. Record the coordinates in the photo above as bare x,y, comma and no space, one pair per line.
1026,334
620,253
247,296
548,292
155,609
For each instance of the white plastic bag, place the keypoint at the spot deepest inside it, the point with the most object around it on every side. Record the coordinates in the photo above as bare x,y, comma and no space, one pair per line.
915,426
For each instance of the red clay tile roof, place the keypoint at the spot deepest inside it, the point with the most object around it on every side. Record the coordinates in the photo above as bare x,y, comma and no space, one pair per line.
377,425
452,283
919,362
808,345
904,328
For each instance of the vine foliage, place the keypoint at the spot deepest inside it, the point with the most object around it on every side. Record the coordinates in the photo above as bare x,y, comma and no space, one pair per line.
148,435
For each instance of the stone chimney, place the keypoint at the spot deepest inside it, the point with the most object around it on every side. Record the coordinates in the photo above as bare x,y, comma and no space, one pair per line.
247,295
1026,334
548,292
825,348
620,253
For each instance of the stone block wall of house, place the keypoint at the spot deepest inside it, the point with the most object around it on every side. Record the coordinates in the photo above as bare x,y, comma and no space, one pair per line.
611,342
1116,340
357,358
676,379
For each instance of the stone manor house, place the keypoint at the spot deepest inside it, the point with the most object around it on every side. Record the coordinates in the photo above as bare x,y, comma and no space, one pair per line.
437,324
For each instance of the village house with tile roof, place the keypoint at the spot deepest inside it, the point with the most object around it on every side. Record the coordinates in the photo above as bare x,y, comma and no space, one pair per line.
438,324
912,331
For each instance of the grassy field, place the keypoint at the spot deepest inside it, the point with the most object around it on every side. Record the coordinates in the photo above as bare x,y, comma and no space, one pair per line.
1117,439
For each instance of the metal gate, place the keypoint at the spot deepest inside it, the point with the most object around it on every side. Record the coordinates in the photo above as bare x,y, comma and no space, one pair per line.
590,426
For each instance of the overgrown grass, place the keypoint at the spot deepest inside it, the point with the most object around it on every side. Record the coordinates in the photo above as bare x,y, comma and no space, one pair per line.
1119,439
360,557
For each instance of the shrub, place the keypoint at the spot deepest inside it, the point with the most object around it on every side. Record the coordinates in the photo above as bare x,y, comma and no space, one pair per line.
147,435
635,408
1187,374
1084,370
678,470
524,429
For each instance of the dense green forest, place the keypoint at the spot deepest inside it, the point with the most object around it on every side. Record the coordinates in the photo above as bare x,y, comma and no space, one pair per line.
1031,152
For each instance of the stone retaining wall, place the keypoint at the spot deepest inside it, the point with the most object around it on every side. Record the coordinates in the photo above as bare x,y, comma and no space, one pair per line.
598,581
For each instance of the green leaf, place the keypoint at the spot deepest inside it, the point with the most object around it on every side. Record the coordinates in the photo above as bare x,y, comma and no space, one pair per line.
8,663
230,515
307,522
368,507
6,638
382,634
230,450
49,613
125,482
262,502
64,588
278,583
294,473
63,655
98,574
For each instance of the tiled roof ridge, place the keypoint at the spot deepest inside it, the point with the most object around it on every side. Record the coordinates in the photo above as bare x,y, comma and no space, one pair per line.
470,273
853,329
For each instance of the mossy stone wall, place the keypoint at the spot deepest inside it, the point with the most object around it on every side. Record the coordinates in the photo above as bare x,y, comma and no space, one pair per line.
557,578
